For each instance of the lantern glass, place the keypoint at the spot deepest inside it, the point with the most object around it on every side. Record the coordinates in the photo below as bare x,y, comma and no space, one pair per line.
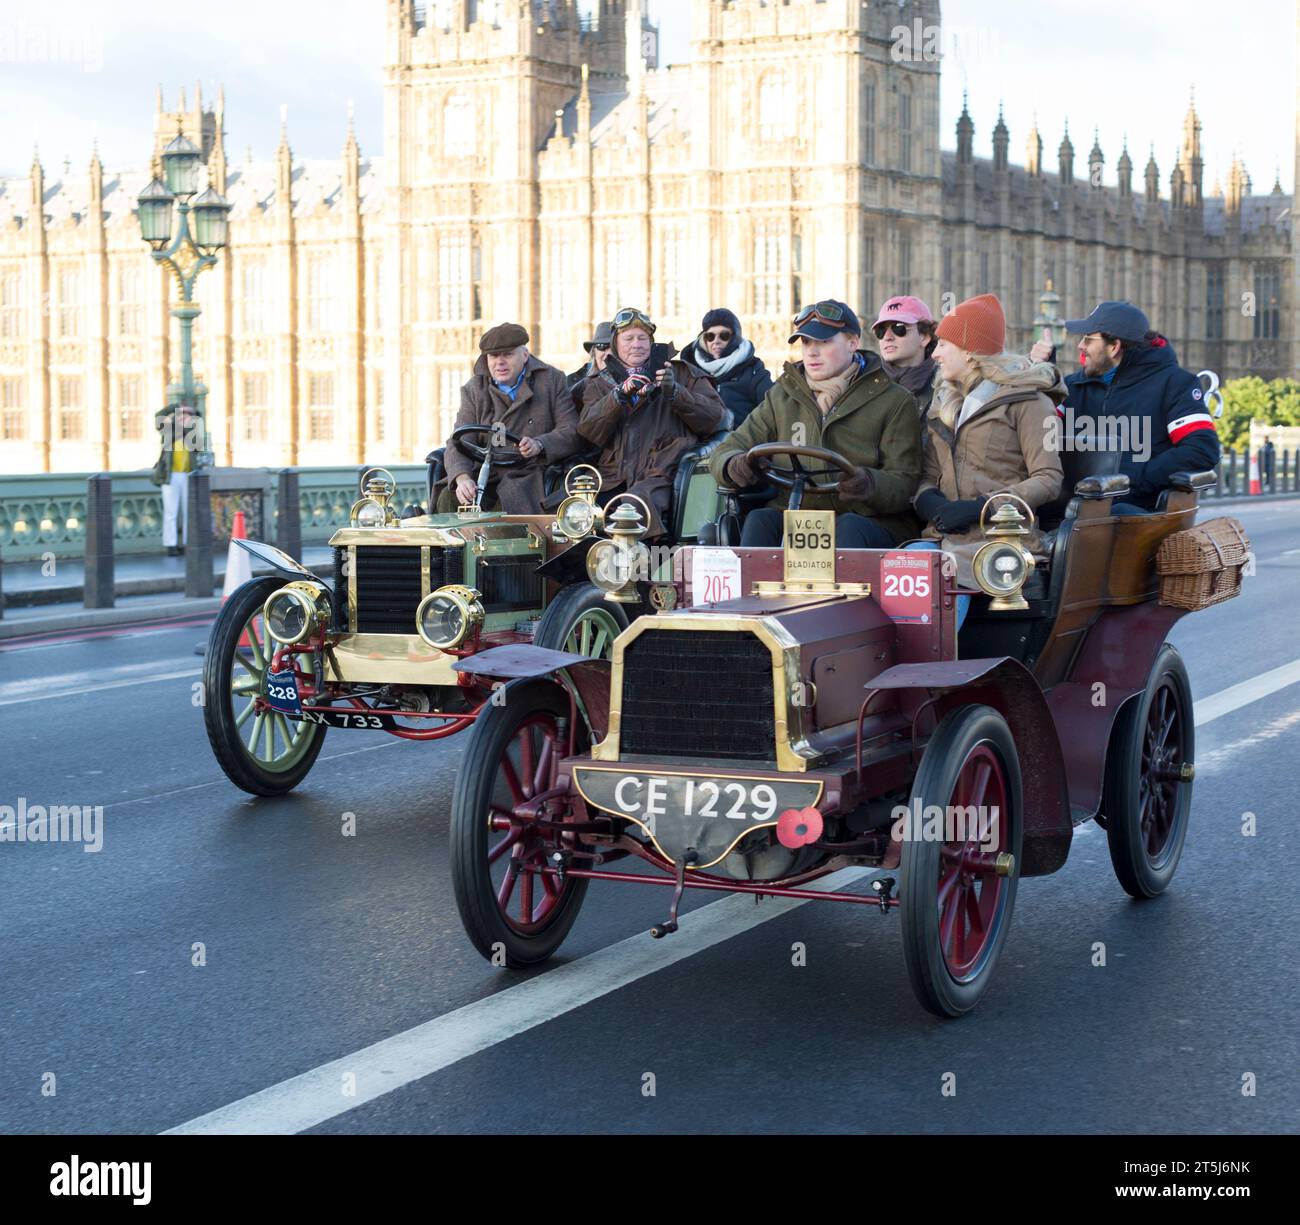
155,209
211,215
180,162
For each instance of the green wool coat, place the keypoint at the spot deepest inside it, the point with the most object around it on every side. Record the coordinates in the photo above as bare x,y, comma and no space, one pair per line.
874,425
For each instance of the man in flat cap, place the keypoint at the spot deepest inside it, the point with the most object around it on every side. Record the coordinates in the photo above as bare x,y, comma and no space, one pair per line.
528,398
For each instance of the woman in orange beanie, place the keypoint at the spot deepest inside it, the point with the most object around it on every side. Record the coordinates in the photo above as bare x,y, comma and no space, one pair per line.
991,429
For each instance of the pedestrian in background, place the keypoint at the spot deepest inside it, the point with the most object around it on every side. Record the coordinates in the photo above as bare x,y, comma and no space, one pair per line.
178,427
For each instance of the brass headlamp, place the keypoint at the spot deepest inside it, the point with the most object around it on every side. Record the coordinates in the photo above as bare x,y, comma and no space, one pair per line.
373,508
296,611
614,565
578,515
1002,565
446,617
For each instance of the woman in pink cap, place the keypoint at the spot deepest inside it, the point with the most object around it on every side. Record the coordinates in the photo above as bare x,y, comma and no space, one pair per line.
905,333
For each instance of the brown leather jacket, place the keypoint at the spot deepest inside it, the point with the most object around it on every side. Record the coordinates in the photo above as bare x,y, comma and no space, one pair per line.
640,447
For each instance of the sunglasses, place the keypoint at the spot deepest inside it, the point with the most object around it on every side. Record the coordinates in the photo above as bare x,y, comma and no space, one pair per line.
601,348
710,337
899,329
630,315
829,313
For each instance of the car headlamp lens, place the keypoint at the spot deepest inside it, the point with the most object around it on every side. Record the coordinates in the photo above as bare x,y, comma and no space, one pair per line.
608,566
1002,569
577,518
368,513
291,613
446,616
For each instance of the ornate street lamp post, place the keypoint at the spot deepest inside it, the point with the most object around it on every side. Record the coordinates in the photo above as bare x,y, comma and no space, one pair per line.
185,255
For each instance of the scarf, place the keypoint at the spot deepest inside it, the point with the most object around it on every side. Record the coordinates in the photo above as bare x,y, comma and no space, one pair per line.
720,367
510,391
828,391
915,379
1005,371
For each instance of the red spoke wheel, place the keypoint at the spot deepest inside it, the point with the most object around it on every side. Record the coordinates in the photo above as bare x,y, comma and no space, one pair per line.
1148,796
961,859
513,907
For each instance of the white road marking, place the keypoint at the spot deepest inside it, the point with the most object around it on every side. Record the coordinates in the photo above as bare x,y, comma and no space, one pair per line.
312,1098
217,782
88,678
99,688
1236,696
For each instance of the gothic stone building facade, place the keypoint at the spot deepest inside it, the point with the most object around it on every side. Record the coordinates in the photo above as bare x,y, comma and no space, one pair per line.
539,167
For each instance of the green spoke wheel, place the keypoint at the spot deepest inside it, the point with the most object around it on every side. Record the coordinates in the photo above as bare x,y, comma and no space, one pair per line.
582,622
260,750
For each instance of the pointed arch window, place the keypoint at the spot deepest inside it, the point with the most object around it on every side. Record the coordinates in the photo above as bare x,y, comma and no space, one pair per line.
458,136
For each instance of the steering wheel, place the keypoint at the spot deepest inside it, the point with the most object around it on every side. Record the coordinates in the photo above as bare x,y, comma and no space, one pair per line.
501,458
807,478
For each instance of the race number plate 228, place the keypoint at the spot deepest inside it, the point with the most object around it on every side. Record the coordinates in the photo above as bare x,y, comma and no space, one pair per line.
282,692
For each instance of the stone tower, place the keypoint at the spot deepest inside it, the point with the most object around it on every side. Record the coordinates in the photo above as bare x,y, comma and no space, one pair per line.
809,201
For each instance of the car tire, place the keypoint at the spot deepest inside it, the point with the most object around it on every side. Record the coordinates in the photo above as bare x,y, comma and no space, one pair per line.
581,621
1147,803
234,675
481,828
956,906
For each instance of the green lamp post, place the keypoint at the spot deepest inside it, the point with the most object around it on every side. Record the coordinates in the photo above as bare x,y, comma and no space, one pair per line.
201,230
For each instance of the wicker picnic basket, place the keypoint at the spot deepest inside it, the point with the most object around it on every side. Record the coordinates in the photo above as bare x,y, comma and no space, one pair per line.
1202,566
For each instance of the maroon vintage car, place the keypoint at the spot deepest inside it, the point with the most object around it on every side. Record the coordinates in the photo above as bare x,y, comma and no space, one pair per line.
789,712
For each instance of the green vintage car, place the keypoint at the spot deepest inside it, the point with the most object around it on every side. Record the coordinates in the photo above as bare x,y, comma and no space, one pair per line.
372,644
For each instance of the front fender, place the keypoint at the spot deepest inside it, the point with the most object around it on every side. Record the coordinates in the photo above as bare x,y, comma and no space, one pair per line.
1009,687
586,679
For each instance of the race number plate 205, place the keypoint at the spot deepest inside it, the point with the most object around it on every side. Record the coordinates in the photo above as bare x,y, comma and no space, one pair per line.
706,813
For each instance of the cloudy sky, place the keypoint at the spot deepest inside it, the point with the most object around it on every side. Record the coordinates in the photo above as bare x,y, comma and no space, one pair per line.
72,71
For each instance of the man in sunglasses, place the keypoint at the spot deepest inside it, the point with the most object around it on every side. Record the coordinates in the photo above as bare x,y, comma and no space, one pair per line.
840,398
905,334
644,410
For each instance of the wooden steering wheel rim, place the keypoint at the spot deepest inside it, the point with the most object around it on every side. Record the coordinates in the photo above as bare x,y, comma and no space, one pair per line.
765,450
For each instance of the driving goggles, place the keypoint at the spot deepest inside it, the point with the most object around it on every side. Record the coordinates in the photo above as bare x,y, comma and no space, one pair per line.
628,316
829,313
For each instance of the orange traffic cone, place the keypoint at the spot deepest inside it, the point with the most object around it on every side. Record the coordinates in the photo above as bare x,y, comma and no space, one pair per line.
1255,486
239,565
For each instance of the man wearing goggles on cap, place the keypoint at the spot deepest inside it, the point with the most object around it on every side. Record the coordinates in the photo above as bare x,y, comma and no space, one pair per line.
837,397
644,410
904,332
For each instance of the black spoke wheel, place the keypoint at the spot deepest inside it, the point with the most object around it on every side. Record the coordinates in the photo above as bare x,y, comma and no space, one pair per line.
581,621
260,750
514,914
957,885
1148,798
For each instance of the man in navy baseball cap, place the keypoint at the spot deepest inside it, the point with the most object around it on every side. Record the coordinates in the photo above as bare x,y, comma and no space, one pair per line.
825,319
1130,376
1121,320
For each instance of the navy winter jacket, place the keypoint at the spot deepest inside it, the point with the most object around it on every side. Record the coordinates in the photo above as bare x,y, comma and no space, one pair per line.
1162,406
742,389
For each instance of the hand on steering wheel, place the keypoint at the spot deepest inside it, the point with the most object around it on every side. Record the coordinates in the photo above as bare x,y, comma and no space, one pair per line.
501,457
817,480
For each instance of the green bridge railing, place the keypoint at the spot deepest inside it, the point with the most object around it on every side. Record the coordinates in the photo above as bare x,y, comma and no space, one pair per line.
46,514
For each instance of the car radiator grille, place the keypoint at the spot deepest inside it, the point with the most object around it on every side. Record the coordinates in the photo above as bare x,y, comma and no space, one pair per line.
509,584
389,585
696,693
